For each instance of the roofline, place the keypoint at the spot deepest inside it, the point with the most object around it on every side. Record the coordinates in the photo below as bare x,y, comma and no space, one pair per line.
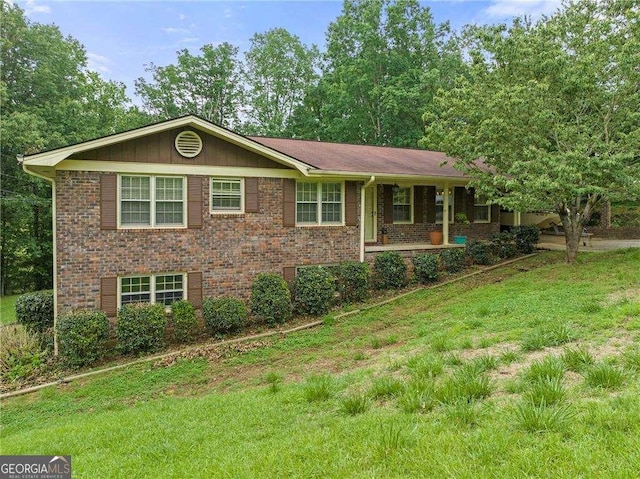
53,157
364,175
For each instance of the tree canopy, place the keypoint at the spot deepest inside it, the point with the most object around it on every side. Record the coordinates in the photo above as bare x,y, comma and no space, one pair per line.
552,110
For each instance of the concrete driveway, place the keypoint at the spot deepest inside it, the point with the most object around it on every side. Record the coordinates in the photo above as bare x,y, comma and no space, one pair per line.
552,242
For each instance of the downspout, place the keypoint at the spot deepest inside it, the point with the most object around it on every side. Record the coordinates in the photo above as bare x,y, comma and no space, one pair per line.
55,263
362,206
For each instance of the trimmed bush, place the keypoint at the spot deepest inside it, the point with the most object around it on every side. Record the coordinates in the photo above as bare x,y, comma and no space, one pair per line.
224,315
353,280
527,237
390,270
141,328
453,260
185,322
503,245
480,252
35,311
271,298
82,337
426,267
314,290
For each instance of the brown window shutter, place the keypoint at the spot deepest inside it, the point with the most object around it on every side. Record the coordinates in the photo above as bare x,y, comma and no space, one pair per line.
194,202
458,200
194,289
388,203
351,203
431,204
418,204
108,201
109,296
471,201
495,213
251,204
289,273
289,202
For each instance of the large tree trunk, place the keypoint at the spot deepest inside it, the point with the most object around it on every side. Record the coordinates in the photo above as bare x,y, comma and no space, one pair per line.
573,220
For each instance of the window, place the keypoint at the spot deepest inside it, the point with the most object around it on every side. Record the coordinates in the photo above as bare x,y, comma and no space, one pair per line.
481,210
402,205
164,289
152,201
227,195
319,203
440,206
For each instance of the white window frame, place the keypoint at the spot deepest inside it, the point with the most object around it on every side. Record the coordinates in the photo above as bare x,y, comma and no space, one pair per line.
242,196
393,204
451,206
152,200
152,286
480,201
319,204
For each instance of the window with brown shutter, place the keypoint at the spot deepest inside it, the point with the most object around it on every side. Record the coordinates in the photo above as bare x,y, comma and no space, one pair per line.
194,288
251,203
289,202
387,203
108,201
194,202
351,203
458,200
431,204
470,204
109,296
418,204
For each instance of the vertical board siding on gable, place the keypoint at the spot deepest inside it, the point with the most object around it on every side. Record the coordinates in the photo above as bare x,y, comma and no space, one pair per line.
351,203
251,198
108,201
109,296
418,204
194,202
288,202
431,204
194,291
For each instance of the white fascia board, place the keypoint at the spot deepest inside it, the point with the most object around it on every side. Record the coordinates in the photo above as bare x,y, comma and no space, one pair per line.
382,177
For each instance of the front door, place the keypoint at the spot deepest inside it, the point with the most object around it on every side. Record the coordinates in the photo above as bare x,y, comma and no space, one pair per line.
370,219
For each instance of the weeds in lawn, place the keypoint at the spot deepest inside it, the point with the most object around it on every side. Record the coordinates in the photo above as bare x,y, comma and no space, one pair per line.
542,418
464,413
391,440
465,384
454,359
441,343
274,380
605,376
546,391
418,396
425,366
483,363
385,387
509,356
560,334
533,341
577,359
319,388
550,367
355,403
631,359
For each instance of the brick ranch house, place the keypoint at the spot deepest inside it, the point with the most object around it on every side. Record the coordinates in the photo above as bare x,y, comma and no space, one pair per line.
188,209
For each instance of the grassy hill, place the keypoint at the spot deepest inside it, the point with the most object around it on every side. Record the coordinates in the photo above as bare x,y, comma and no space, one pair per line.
532,370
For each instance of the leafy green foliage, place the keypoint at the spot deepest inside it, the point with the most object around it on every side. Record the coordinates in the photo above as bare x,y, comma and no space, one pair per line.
353,279
141,328
314,290
185,322
35,311
426,267
224,315
480,252
390,270
21,356
527,237
271,298
453,260
503,245
82,337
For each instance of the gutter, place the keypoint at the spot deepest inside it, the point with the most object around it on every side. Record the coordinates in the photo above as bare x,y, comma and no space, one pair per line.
20,159
362,206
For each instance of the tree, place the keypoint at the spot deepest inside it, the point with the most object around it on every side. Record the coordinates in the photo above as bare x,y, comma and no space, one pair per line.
552,110
208,85
384,62
278,70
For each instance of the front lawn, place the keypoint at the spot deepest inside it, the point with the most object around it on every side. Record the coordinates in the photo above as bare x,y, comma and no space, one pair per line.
531,370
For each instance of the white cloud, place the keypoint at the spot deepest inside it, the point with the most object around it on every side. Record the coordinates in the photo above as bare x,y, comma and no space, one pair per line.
32,7
512,8
189,40
98,63
182,17
174,30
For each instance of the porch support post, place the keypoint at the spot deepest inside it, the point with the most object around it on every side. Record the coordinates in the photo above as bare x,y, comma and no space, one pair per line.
517,218
362,218
445,215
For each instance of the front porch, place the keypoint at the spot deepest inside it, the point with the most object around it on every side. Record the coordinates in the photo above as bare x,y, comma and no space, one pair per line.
377,248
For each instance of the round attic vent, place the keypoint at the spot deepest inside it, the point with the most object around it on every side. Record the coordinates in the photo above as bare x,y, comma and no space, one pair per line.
188,143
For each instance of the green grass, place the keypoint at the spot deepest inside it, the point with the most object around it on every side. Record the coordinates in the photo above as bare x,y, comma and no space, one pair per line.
302,405
7,309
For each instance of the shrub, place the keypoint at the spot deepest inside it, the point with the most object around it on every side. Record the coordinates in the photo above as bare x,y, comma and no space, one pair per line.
353,280
82,337
141,328
453,260
390,270
314,290
185,322
527,237
35,311
426,267
480,252
223,315
271,298
503,245
20,353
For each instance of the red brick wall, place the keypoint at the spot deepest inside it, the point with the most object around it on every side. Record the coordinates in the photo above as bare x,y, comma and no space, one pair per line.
229,250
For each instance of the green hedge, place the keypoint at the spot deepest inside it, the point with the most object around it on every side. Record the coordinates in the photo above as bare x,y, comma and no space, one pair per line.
35,311
141,328
314,290
480,252
426,267
271,298
353,280
185,322
82,337
453,260
223,315
527,237
390,270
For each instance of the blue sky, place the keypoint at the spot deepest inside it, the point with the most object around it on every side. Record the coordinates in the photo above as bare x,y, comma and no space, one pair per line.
122,36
